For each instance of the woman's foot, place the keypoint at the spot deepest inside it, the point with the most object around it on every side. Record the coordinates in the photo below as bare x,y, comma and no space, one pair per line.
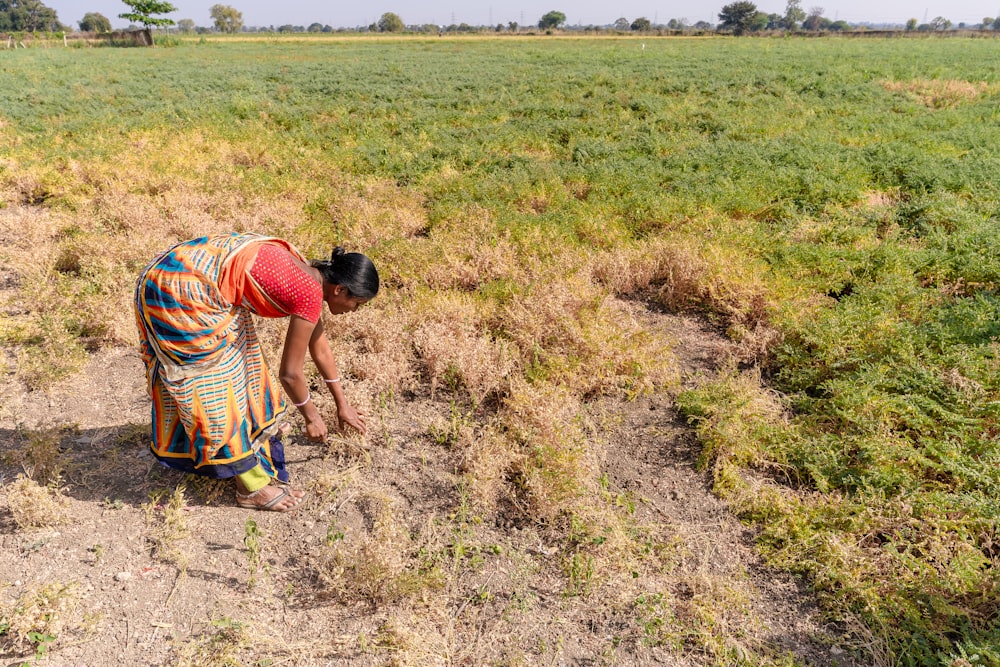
270,498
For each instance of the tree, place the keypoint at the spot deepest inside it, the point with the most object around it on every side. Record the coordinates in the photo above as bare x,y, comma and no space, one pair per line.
226,18
815,19
552,20
512,26
390,23
759,22
95,22
27,15
315,27
622,24
940,23
737,17
987,22
186,26
641,24
996,23
794,14
143,12
911,25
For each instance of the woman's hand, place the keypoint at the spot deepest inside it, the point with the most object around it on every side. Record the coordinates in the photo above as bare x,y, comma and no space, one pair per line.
348,416
316,430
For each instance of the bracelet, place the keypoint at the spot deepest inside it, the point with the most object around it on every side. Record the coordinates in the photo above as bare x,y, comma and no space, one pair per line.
299,405
331,381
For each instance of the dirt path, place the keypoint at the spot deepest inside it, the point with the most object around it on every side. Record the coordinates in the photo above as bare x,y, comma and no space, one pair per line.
194,604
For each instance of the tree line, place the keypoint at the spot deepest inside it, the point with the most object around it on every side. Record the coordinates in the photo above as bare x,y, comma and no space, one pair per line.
737,18
741,18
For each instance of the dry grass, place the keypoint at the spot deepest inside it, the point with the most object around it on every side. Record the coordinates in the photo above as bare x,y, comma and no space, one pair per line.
365,213
221,646
940,93
470,252
34,505
379,565
374,346
455,353
558,468
40,456
167,527
687,276
487,461
39,617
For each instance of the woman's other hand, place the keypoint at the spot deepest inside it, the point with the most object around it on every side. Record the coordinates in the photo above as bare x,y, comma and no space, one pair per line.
348,416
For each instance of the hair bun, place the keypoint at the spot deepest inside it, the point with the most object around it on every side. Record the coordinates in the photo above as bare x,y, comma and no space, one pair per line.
337,252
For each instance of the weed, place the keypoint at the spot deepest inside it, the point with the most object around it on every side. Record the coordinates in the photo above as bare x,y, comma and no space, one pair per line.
35,506
579,573
220,646
116,504
456,431
41,456
38,618
251,540
655,615
166,526
377,566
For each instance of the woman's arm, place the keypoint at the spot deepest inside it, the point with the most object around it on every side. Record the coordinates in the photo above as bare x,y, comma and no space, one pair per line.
297,340
322,356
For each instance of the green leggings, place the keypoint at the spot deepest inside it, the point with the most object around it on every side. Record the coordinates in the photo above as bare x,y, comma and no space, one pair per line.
254,479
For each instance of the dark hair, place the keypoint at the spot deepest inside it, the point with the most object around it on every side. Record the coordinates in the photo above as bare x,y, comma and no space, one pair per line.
352,271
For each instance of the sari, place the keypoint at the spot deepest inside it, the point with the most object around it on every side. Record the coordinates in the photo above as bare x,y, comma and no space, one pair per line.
215,406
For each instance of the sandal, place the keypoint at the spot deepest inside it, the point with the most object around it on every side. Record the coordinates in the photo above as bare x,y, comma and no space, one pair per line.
270,505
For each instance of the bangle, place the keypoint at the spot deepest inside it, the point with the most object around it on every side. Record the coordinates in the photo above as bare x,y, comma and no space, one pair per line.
331,381
299,405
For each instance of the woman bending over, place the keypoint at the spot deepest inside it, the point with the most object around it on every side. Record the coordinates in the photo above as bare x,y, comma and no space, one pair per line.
216,409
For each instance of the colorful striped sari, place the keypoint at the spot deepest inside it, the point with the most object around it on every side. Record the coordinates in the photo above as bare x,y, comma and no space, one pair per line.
215,405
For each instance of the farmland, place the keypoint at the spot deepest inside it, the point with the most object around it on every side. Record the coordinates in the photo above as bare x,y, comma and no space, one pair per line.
829,207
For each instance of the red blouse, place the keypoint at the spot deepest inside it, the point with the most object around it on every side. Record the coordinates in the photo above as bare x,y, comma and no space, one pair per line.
286,283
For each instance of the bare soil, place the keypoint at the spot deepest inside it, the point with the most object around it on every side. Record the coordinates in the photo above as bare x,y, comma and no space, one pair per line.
507,606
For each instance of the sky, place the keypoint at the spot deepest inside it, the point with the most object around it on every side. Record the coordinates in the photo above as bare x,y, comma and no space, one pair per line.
527,12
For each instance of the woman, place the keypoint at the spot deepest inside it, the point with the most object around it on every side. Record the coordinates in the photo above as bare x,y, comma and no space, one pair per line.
215,406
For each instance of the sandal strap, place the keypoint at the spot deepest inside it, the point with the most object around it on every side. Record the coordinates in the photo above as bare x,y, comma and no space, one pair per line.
277,499
248,496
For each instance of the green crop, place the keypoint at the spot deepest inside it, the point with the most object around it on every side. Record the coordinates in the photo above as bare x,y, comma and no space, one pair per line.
843,194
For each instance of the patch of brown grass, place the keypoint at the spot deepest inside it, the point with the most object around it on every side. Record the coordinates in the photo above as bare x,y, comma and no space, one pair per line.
455,353
166,526
222,645
376,566
39,617
33,505
464,254
685,276
558,467
40,456
568,332
487,460
939,93
366,213
374,346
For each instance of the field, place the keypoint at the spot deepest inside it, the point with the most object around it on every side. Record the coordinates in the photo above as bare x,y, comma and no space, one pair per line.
590,249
